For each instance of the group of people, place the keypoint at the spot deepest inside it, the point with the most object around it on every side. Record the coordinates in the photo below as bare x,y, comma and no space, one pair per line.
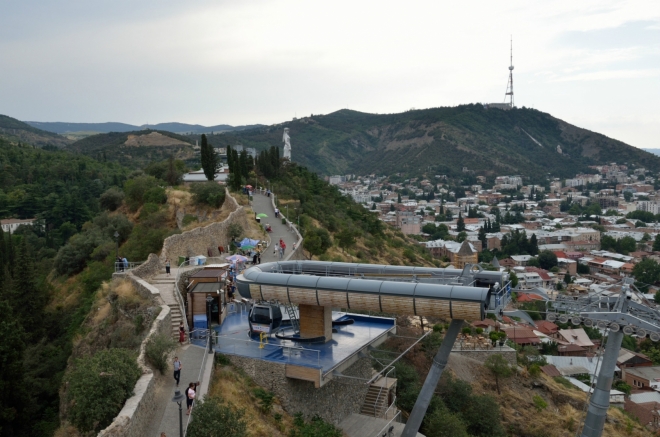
280,248
121,264
191,391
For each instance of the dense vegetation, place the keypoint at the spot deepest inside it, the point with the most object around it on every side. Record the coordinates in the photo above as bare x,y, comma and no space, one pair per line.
443,141
110,147
17,131
42,312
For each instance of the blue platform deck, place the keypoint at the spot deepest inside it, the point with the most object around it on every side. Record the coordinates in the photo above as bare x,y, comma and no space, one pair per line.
233,338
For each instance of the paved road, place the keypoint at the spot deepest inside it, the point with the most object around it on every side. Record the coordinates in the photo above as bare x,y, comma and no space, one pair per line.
263,204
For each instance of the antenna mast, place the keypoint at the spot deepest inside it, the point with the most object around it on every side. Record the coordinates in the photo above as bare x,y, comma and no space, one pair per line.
509,86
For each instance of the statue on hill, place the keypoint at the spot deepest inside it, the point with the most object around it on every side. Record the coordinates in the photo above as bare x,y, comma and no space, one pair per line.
287,144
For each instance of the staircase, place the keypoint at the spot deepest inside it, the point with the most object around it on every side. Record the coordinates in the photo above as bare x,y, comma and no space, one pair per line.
293,317
166,286
375,403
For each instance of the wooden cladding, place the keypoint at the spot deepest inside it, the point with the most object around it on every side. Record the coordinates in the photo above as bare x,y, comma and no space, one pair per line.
315,321
443,308
303,373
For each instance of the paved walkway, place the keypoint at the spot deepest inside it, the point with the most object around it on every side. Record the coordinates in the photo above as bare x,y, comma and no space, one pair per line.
263,204
193,358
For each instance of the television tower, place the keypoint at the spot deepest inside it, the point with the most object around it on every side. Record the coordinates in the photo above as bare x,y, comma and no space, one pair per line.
509,86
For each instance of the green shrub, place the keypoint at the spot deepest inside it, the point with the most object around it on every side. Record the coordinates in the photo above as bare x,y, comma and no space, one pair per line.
316,427
534,370
157,351
222,360
213,418
111,199
98,386
443,423
265,397
479,331
563,381
234,231
188,219
155,195
208,193
539,403
137,188
438,327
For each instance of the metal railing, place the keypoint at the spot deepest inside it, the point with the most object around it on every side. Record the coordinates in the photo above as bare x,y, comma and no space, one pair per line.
126,266
380,392
199,378
270,352
388,429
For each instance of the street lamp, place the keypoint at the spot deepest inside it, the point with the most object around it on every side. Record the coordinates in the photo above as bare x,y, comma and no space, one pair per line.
178,398
209,304
116,235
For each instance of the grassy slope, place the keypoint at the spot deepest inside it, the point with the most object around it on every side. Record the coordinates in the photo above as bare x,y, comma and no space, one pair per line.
487,141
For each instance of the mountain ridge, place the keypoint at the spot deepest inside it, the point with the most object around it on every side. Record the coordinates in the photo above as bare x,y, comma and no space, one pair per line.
107,127
445,140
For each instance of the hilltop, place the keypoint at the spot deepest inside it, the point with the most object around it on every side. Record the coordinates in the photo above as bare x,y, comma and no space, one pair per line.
16,131
444,141
135,148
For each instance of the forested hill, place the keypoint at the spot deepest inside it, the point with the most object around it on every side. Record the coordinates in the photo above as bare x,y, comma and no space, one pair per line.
134,149
16,131
443,141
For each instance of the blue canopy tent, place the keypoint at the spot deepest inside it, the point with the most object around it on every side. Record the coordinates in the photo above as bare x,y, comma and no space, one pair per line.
247,242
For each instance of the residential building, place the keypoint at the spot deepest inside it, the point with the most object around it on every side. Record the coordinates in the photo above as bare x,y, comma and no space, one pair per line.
459,254
10,225
642,377
629,359
577,337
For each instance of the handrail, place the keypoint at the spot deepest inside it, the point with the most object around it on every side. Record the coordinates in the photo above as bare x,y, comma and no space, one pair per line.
392,405
124,267
199,378
386,427
269,346
381,389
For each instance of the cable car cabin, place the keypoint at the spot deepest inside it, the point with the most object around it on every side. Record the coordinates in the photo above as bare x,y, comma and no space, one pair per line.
265,317
208,281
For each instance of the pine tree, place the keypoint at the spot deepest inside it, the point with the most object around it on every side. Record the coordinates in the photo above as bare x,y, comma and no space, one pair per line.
460,223
30,299
209,159
533,245
398,198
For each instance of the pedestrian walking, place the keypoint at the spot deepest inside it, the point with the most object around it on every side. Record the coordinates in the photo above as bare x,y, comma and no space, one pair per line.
191,393
177,370
254,259
125,261
167,266
182,333
119,264
258,257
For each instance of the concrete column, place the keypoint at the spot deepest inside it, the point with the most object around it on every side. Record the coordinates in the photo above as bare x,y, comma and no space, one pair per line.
315,321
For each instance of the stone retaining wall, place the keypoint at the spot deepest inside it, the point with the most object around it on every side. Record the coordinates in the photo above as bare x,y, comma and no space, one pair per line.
197,241
149,268
480,355
333,402
134,418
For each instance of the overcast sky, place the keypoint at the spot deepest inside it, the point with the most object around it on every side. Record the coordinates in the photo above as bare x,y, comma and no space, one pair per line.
595,64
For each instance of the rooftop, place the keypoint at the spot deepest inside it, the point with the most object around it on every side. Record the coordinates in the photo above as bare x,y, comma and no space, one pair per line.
234,339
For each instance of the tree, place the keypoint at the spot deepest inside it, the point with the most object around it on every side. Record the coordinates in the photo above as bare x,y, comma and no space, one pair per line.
461,236
398,198
443,423
213,418
111,199
646,272
234,231
567,278
208,158
345,238
98,386
460,223
547,259
656,243
12,389
317,241
533,245
499,367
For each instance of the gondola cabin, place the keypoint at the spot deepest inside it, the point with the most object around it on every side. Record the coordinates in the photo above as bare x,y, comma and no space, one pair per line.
265,317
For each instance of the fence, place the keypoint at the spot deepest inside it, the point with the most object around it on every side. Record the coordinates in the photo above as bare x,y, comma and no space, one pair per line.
126,266
268,352
388,429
